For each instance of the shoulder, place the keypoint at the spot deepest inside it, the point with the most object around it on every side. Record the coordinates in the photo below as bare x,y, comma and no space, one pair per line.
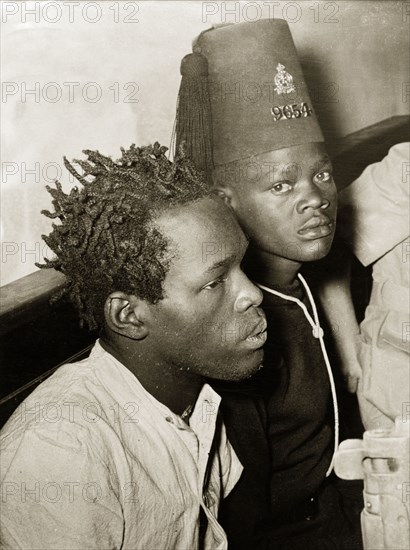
68,412
374,209
384,178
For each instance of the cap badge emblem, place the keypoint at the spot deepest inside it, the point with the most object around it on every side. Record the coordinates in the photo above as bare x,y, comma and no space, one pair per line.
283,81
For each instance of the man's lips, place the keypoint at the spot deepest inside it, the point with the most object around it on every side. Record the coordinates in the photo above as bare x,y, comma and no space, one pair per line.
316,227
258,335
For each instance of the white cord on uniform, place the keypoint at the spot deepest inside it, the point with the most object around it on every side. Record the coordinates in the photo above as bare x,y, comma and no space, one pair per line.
317,333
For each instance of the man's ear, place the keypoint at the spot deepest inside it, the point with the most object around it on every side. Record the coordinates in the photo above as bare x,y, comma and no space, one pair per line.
226,194
126,314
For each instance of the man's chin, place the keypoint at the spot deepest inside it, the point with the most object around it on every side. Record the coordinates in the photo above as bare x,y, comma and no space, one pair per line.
236,371
249,373
318,252
258,368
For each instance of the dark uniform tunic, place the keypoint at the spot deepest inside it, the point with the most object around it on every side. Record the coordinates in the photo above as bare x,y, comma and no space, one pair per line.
281,425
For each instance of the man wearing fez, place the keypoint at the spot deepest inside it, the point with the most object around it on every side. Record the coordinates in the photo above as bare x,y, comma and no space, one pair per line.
246,117
125,449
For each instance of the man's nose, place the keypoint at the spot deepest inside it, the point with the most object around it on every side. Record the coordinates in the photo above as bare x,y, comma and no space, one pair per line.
311,197
249,295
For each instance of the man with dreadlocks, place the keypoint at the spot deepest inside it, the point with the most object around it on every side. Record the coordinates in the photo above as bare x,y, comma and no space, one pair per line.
134,454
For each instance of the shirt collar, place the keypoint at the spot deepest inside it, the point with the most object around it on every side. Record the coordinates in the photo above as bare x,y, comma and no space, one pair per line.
125,387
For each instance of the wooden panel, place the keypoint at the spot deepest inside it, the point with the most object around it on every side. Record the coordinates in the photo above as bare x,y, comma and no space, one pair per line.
35,337
27,298
369,145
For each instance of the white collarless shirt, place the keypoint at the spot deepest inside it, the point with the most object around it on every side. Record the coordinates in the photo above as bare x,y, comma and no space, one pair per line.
91,460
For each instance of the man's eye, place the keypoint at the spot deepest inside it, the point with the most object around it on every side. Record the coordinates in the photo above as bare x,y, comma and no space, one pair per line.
324,177
214,284
281,188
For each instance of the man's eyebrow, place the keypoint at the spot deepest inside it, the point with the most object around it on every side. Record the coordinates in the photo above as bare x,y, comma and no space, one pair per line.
225,262
325,159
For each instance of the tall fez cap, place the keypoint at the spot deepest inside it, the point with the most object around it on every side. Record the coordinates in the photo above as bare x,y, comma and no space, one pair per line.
244,86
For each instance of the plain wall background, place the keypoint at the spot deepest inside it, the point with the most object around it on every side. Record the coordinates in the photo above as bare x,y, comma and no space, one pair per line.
355,57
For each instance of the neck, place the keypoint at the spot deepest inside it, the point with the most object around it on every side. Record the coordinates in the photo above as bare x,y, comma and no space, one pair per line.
176,389
269,269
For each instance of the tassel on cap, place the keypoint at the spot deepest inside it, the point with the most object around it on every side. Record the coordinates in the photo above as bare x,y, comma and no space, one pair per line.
193,118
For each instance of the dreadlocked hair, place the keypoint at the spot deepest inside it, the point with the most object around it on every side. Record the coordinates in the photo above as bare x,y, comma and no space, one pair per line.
106,240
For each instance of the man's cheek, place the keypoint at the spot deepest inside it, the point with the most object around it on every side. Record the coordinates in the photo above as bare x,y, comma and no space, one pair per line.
210,333
332,197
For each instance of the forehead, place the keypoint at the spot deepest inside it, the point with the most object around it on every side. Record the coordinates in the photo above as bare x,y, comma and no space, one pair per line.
307,153
199,232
